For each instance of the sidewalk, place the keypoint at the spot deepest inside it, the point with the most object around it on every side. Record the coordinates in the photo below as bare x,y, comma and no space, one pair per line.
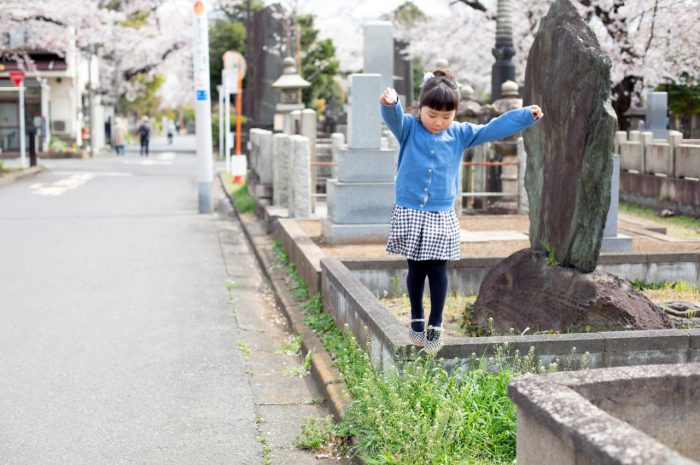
281,395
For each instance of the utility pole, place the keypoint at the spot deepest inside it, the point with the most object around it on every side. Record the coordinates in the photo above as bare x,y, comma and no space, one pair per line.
202,107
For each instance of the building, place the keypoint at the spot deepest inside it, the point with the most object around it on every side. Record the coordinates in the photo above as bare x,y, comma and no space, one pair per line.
56,89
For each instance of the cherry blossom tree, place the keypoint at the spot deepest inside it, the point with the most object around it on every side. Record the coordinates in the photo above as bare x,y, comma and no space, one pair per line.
649,41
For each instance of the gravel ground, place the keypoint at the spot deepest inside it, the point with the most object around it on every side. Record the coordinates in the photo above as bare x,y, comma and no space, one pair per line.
690,241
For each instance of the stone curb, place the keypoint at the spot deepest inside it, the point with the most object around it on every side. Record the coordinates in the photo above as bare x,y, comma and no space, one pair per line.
10,178
326,376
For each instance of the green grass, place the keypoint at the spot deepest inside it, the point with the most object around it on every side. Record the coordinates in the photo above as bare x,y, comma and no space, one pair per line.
683,226
243,201
419,413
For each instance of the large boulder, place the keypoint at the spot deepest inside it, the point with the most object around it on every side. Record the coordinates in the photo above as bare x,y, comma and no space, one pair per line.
524,291
569,153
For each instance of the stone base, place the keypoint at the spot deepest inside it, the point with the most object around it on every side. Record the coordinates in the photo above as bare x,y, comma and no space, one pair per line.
524,291
369,165
359,203
354,233
619,243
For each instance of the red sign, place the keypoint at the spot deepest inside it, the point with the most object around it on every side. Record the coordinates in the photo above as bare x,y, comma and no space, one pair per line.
17,77
198,7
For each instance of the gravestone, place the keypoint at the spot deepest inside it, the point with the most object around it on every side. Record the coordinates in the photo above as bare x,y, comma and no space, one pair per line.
378,51
612,240
360,199
553,285
656,118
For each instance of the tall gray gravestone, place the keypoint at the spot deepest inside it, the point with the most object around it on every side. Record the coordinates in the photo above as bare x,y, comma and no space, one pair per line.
656,119
360,199
554,285
379,51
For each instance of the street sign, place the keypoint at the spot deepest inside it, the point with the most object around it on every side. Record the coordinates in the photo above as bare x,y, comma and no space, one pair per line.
17,77
232,60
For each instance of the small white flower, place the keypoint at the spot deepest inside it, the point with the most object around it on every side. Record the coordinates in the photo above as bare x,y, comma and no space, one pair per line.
427,76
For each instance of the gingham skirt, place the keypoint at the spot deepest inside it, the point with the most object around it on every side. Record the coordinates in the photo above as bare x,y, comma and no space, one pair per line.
424,235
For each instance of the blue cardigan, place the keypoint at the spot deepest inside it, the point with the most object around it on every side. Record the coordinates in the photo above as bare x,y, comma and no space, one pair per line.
428,169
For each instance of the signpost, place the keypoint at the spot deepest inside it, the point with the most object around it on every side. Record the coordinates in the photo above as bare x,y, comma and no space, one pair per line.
202,107
17,77
234,72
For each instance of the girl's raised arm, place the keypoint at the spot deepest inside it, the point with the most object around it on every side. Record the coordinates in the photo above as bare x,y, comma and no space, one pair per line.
498,128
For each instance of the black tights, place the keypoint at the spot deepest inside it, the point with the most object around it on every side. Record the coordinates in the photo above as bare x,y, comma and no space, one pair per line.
436,271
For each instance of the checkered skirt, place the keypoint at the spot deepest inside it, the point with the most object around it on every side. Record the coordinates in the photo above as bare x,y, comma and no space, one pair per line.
424,235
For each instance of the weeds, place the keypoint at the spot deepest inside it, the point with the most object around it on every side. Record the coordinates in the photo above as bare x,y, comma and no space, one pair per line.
243,347
290,346
320,435
551,253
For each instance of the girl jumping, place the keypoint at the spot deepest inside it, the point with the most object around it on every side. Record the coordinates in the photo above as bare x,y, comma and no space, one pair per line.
424,226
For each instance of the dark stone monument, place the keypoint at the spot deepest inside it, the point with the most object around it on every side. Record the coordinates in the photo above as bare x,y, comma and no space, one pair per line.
553,286
569,163
270,41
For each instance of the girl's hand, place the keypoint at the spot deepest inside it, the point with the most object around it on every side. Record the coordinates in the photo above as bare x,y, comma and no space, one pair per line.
536,112
388,97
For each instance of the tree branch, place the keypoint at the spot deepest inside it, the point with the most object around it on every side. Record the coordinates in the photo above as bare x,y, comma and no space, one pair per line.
131,73
476,4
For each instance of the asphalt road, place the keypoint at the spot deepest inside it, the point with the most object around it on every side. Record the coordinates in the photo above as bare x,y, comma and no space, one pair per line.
117,345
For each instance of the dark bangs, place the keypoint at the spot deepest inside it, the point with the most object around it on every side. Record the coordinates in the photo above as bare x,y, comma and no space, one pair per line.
440,98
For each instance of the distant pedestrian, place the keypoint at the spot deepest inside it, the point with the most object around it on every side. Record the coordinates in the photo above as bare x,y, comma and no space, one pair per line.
424,227
144,131
170,130
119,136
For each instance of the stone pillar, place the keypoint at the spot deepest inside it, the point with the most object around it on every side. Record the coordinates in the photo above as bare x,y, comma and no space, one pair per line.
379,51
308,125
262,168
504,69
646,137
523,205
656,118
300,178
675,138
620,137
281,148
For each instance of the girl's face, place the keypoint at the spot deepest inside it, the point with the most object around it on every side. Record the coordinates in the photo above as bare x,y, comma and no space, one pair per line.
436,121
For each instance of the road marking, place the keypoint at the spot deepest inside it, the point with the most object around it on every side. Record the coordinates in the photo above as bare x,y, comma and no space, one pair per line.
62,185
72,182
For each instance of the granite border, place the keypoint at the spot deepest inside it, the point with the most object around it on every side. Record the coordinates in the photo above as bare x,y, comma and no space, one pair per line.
559,409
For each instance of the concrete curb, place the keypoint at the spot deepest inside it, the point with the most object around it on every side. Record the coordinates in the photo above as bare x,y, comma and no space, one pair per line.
324,373
10,178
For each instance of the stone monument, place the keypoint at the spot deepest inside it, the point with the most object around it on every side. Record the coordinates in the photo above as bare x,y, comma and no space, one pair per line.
359,200
553,285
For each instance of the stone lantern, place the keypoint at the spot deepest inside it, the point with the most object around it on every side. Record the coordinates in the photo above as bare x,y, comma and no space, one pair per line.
290,85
